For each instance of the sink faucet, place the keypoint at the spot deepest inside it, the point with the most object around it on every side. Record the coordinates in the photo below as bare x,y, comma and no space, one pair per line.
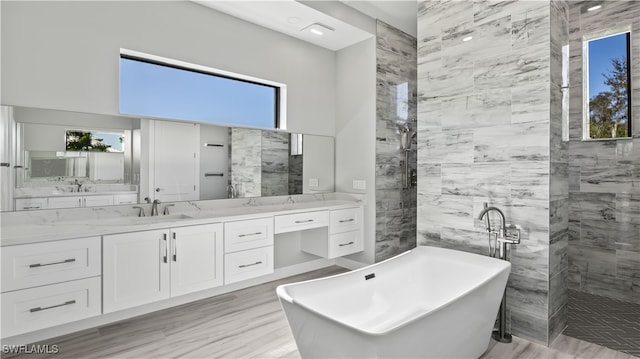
231,191
154,207
166,209
486,210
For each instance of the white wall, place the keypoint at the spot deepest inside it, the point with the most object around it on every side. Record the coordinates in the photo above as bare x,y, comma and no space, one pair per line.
318,162
356,130
65,55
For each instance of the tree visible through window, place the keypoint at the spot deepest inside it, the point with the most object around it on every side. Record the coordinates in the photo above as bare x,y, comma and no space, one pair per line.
609,105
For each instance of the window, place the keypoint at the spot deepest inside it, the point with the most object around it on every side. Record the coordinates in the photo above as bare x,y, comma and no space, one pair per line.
607,85
159,87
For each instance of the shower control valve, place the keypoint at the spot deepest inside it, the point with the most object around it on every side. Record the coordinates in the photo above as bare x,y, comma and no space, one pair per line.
512,234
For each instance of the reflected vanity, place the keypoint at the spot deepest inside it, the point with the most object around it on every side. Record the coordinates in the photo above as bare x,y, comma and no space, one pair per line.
47,167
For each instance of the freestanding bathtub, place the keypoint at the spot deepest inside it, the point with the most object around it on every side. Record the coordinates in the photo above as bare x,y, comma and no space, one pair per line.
425,303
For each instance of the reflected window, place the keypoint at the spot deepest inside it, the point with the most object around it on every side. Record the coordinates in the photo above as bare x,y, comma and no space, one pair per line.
93,141
149,87
608,86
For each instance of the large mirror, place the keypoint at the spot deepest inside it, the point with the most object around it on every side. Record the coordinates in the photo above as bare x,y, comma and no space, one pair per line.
63,159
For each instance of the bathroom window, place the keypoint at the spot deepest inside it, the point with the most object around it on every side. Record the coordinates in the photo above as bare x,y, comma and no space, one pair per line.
607,85
159,87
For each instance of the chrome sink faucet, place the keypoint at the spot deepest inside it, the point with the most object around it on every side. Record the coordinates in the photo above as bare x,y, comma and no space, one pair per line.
154,207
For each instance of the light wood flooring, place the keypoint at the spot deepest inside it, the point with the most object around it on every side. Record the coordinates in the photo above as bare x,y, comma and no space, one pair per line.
248,323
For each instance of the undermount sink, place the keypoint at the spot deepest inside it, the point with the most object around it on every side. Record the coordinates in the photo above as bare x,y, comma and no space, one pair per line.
166,217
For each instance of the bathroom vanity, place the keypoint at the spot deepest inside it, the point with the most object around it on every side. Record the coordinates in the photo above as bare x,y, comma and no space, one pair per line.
74,269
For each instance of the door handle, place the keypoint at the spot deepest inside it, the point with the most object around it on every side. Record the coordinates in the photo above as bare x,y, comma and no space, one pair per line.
175,248
166,249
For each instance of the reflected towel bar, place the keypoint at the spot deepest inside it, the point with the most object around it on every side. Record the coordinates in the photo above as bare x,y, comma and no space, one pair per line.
208,174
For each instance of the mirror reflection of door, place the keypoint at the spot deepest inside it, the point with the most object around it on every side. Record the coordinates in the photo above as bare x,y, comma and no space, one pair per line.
175,161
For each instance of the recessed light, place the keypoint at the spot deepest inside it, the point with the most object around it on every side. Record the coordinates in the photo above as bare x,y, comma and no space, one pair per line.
318,29
593,8
468,38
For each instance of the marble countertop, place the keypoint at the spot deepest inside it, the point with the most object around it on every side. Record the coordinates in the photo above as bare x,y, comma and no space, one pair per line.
42,229
66,191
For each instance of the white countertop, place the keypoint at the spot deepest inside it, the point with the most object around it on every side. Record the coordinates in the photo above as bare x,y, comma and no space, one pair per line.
125,220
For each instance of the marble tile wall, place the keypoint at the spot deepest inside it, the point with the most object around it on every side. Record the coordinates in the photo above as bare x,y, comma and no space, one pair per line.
246,157
604,175
490,130
275,163
395,105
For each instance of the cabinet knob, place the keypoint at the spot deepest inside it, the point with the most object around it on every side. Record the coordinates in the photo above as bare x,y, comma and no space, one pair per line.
158,189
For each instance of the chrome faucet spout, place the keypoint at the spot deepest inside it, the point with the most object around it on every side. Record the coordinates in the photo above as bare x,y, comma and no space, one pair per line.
486,210
154,207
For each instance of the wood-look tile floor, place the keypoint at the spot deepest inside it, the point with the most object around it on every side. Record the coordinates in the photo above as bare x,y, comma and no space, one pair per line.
247,323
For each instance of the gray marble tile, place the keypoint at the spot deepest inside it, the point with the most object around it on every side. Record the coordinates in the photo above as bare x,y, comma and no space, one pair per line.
429,113
557,324
533,64
612,178
558,219
532,327
609,286
487,179
590,261
601,234
529,103
593,206
558,295
452,146
628,236
496,72
487,108
445,81
558,257
628,208
532,26
628,264
592,153
530,258
529,295
628,151
447,210
465,240
559,180
574,178
518,142
429,178
530,179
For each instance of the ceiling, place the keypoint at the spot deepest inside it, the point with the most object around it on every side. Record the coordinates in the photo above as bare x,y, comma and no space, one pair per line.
295,18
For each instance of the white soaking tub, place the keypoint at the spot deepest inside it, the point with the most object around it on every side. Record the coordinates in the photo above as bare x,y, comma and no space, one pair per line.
425,303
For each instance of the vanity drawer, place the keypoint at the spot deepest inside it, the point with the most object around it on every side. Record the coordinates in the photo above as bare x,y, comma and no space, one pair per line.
26,204
248,264
301,221
37,308
345,220
345,243
30,265
248,234
125,199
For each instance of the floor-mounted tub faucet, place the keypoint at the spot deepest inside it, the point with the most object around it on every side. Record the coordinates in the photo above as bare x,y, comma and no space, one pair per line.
511,236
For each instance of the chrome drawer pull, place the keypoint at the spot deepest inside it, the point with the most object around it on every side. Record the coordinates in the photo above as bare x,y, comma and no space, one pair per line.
307,221
345,244
347,220
249,234
31,207
249,265
50,264
166,248
32,310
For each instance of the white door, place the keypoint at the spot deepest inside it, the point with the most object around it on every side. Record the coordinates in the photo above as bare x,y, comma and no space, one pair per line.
175,161
98,201
196,258
65,202
135,269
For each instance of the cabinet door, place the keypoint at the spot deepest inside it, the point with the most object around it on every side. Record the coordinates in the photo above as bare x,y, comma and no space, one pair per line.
98,201
196,258
65,202
135,269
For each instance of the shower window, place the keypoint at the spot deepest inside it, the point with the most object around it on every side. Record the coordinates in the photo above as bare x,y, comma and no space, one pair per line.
607,85
166,88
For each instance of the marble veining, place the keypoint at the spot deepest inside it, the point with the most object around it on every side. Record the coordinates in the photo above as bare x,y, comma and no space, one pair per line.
604,176
489,130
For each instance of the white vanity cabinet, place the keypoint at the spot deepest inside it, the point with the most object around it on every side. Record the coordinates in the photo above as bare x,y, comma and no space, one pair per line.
345,235
50,283
80,201
248,249
119,199
147,266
